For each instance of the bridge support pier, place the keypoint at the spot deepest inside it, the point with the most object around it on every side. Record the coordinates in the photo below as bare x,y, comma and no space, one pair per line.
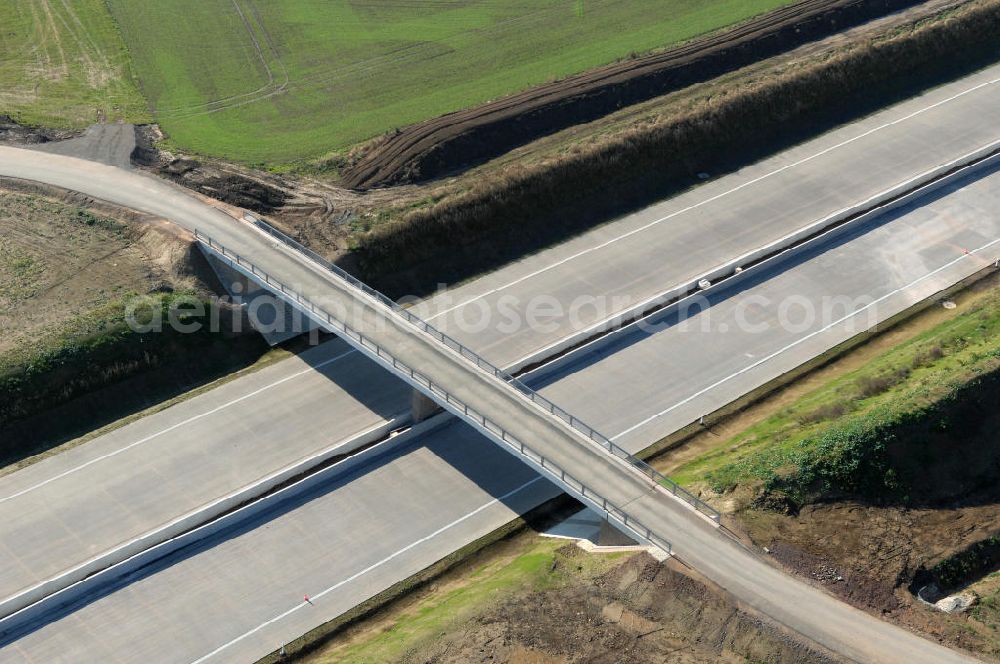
422,407
276,320
609,535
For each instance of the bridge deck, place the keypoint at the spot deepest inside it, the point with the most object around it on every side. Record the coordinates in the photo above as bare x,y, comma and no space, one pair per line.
663,517
552,441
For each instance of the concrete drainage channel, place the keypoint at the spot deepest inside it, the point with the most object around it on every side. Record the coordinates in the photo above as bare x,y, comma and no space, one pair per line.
39,603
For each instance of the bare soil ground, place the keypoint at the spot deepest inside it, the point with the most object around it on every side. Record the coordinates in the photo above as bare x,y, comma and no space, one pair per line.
315,212
442,145
57,262
639,612
570,607
16,134
868,555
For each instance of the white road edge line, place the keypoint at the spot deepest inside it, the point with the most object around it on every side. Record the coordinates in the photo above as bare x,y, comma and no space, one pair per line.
487,505
716,197
778,352
534,274
368,569
174,426
186,515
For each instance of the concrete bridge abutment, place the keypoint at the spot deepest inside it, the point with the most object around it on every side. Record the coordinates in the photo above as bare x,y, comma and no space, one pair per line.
422,407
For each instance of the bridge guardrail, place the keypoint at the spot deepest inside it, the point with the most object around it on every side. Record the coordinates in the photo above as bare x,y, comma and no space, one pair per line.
485,365
547,465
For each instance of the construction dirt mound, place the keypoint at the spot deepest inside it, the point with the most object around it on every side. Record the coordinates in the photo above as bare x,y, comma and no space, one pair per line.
13,133
442,145
641,611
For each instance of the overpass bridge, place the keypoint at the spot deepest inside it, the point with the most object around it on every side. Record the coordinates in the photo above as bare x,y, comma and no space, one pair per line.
560,446
886,147
554,442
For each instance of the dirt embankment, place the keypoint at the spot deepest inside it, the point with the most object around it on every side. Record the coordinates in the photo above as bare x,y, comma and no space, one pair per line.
226,185
638,612
873,518
531,600
872,557
16,134
313,212
936,524
442,145
70,268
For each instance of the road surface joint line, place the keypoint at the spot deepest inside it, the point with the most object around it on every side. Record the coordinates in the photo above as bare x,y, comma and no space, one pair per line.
172,427
721,195
801,340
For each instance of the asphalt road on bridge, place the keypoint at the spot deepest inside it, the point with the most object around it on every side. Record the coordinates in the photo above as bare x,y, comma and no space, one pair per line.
240,596
978,107
65,509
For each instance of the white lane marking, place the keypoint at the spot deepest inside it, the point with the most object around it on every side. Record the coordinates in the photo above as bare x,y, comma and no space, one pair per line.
715,198
146,535
805,338
368,569
545,269
174,426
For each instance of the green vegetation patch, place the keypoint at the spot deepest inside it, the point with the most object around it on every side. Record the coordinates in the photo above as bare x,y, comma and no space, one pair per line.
971,563
914,425
988,609
284,80
538,565
20,273
64,64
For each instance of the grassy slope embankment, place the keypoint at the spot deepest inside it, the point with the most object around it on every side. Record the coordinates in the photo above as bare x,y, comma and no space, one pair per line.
64,64
68,360
878,473
913,426
284,80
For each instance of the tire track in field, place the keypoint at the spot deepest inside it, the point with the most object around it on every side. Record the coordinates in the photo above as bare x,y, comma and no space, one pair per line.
436,146
54,30
265,91
395,57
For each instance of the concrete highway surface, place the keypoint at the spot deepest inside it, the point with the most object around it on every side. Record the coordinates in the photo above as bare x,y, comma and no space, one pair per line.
771,323
517,273
636,258
620,264
239,596
79,503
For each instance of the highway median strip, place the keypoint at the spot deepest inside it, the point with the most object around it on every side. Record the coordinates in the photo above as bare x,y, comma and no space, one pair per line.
99,571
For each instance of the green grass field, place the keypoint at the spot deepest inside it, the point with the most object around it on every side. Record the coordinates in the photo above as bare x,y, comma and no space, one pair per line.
64,64
279,81
901,382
